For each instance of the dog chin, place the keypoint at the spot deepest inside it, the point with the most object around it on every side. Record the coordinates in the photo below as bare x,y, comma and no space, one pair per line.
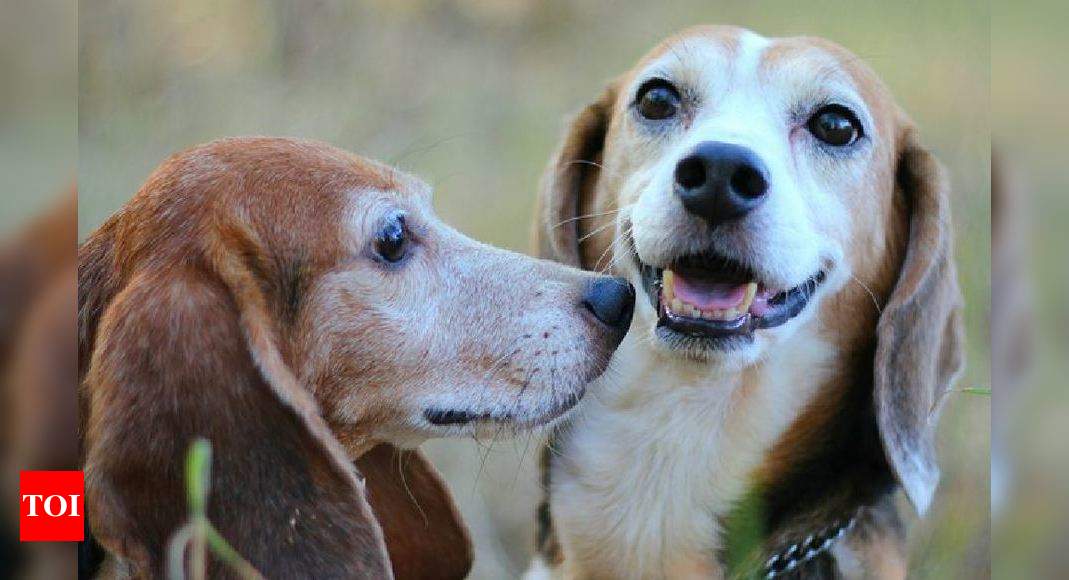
729,354
501,419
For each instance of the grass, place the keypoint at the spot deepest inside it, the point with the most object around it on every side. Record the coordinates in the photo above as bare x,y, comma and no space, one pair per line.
198,537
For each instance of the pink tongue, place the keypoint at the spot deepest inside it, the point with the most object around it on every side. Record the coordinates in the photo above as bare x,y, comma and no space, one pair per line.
709,295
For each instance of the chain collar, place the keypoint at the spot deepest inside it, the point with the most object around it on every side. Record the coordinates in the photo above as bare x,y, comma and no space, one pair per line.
815,544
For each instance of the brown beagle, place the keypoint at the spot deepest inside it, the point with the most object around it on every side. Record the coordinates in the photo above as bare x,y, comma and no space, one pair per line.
801,321
303,309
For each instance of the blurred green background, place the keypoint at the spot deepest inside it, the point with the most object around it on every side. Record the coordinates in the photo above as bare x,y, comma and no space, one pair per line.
472,96
38,106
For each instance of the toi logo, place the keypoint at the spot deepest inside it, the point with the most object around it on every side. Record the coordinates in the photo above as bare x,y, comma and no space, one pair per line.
51,506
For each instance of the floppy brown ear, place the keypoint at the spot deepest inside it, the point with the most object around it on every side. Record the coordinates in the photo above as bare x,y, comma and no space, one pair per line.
568,186
424,533
185,350
919,350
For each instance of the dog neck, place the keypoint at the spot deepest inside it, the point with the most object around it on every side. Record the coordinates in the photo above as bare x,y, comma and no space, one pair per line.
749,552
695,433
824,476
797,430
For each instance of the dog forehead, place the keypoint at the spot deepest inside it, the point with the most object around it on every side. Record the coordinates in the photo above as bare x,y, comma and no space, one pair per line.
711,40
699,56
725,59
818,61
367,206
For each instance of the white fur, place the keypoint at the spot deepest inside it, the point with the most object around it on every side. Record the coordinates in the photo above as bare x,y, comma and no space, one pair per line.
661,447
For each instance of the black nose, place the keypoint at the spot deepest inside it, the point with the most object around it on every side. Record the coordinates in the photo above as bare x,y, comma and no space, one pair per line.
720,182
612,301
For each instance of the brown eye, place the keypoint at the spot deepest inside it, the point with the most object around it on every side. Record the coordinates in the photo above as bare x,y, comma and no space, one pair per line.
835,125
657,100
391,243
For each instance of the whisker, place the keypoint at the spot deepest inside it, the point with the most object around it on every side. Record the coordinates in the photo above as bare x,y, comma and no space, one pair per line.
499,363
607,252
872,294
482,463
590,215
415,149
519,466
501,427
590,163
404,483
595,232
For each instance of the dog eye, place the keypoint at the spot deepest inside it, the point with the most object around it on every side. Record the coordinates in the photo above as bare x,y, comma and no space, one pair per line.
391,241
657,99
835,125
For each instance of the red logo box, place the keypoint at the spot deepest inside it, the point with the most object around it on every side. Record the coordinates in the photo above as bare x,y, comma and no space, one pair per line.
51,506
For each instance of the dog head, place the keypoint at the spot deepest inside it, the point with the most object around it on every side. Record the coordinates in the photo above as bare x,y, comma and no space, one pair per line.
297,306
763,191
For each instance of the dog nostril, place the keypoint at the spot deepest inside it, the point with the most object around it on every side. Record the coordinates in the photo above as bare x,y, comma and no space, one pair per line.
747,181
612,301
690,173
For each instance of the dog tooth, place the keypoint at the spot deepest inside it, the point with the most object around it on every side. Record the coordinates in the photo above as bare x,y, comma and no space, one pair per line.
707,314
731,314
668,285
747,299
676,305
695,313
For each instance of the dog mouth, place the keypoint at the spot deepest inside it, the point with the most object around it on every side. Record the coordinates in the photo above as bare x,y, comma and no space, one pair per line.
445,417
709,296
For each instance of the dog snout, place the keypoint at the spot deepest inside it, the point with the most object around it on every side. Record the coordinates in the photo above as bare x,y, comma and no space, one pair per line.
612,302
720,182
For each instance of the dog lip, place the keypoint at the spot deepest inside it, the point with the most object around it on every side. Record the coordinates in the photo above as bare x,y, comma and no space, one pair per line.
702,328
454,417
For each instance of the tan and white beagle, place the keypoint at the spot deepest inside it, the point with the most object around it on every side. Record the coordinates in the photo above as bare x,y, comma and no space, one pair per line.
800,325
304,310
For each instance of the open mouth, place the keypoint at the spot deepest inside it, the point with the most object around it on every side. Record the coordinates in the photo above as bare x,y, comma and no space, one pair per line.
713,297
459,417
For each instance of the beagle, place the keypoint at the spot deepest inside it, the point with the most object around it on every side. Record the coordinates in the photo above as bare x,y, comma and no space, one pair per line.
303,309
800,327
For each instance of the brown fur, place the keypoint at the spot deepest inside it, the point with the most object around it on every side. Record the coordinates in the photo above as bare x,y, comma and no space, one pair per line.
392,474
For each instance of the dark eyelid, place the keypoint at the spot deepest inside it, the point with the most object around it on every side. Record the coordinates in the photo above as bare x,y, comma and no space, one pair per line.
415,231
392,218
844,109
651,84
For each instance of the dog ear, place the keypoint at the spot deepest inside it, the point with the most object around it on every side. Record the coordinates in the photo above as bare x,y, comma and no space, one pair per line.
568,187
187,350
423,529
919,333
